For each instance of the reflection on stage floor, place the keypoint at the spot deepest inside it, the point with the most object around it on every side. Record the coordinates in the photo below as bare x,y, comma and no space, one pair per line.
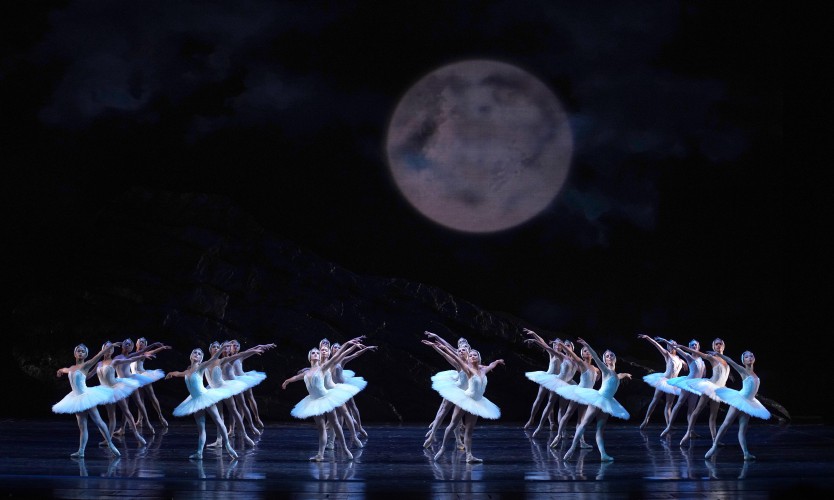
793,459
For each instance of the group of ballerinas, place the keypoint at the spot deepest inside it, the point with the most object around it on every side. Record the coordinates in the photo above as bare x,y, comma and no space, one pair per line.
462,390
695,391
331,389
124,377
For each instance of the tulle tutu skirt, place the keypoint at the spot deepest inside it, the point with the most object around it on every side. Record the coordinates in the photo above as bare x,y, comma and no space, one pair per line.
702,387
446,378
333,398
77,402
205,399
752,407
681,383
549,381
251,378
123,388
593,397
147,377
658,381
481,407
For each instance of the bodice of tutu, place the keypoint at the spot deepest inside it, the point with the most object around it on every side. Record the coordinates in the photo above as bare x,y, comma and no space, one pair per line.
609,386
553,364
228,370
675,367
106,374
215,376
328,380
137,366
720,374
237,365
78,381
697,368
122,370
194,383
588,378
476,386
567,369
314,380
749,387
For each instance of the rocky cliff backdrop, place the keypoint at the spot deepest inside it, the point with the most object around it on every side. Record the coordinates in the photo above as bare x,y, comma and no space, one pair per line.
188,269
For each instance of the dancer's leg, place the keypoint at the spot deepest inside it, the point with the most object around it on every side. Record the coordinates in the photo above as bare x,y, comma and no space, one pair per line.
728,421
469,421
457,415
218,420
590,413
652,405
540,396
602,419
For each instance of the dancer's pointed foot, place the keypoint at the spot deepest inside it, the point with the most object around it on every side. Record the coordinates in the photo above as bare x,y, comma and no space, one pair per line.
665,432
556,442
119,432
215,444
114,450
438,455
528,425
471,459
316,458
711,452
349,454
248,440
584,445
644,424
197,455
749,456
78,454
259,423
232,453
357,442
536,432
685,438
606,458
255,431
163,421
429,442
151,429
568,454
363,433
140,439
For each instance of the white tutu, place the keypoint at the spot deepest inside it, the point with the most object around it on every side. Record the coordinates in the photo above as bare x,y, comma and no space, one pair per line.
147,377
549,381
82,398
358,382
470,400
745,399
680,383
602,398
658,381
702,387
199,398
123,388
320,404
251,378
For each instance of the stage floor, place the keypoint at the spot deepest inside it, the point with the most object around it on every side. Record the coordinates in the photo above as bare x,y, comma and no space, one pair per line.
794,459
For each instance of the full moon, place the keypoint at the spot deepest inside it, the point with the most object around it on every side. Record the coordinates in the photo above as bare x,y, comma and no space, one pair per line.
479,146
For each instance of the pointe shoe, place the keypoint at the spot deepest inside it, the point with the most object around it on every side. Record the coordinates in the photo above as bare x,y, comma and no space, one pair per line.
163,421
232,453
316,458
78,454
584,445
114,450
215,444
471,459
358,443
197,455
438,455
349,454
141,439
249,441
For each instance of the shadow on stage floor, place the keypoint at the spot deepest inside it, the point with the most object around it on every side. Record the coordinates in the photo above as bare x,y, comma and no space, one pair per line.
793,459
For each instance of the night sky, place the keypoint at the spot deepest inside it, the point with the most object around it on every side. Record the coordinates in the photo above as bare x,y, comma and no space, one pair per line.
672,221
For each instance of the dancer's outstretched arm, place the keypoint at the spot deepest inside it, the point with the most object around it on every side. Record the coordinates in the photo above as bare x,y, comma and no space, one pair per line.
653,342
488,368
452,359
600,363
362,349
744,372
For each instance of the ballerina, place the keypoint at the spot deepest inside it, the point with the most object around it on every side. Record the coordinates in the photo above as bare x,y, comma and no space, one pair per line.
706,388
322,402
601,402
125,370
553,381
122,387
659,381
256,377
342,376
342,413
458,377
214,376
542,394
469,403
588,376
138,367
697,369
743,403
82,401
250,378
201,401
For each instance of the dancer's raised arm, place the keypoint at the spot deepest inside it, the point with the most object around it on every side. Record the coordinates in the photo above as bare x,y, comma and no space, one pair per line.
451,358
